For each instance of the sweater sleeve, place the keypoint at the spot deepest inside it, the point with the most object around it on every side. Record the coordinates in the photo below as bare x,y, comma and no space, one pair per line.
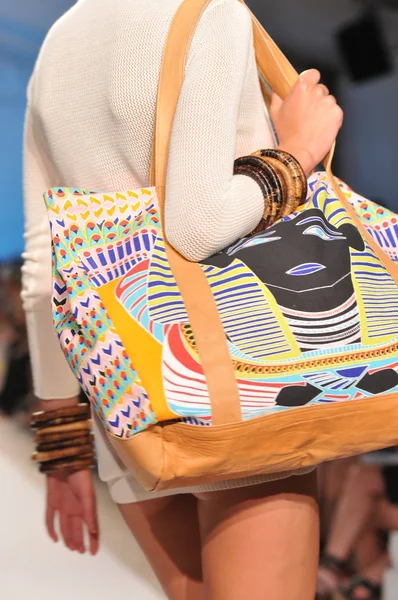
52,376
207,207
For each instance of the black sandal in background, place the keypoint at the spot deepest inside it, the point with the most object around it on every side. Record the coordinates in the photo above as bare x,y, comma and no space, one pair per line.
339,568
374,590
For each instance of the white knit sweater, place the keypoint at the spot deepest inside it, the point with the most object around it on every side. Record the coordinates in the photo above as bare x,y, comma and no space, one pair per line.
90,122
90,119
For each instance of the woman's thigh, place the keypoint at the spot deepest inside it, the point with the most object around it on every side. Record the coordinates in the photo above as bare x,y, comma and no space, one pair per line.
261,541
167,530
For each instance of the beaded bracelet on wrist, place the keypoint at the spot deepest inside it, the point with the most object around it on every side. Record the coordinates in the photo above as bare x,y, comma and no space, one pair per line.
67,466
271,185
254,174
281,179
64,439
78,412
295,177
291,201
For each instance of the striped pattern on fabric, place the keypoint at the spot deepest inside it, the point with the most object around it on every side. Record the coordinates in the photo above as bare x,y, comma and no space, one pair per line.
372,277
248,318
315,330
165,302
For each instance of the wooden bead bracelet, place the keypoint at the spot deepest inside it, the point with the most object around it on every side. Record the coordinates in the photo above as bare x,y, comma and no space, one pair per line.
281,179
64,439
295,177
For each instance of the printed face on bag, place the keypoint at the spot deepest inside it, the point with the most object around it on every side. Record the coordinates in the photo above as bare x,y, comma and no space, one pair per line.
304,261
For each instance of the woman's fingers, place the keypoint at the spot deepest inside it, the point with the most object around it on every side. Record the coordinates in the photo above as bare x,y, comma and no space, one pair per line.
322,90
50,518
52,507
66,530
82,489
94,543
77,534
311,77
308,121
308,79
90,518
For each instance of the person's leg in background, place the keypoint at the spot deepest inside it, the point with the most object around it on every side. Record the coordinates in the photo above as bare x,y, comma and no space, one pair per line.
370,547
355,517
261,541
386,520
332,477
355,511
367,584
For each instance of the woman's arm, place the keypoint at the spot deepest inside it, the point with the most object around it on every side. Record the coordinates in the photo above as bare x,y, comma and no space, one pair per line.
70,496
207,206
52,377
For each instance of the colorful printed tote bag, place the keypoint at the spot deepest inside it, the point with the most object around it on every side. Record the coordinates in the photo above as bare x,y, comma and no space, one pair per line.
279,352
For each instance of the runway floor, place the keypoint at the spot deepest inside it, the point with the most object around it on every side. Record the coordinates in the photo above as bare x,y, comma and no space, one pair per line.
33,567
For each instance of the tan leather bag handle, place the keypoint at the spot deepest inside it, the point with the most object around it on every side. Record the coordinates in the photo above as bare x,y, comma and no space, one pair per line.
198,298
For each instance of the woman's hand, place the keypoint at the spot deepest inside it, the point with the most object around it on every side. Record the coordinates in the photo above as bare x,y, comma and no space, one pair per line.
308,121
72,497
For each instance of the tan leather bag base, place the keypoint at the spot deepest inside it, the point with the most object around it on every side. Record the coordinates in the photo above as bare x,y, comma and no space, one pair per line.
177,455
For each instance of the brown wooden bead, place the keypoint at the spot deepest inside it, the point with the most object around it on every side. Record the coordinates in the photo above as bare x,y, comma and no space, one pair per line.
61,453
296,171
82,441
71,466
61,421
293,195
272,185
57,437
79,426
42,417
254,174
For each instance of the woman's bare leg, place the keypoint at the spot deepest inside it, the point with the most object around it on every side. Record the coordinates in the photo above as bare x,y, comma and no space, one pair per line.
261,541
167,530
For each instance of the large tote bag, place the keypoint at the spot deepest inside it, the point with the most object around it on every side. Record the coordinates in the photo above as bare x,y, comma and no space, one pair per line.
279,353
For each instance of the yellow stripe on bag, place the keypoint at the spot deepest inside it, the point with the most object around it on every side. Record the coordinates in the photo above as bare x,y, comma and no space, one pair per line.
144,351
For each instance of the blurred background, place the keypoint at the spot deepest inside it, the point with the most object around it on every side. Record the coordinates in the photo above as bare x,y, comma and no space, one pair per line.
355,45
